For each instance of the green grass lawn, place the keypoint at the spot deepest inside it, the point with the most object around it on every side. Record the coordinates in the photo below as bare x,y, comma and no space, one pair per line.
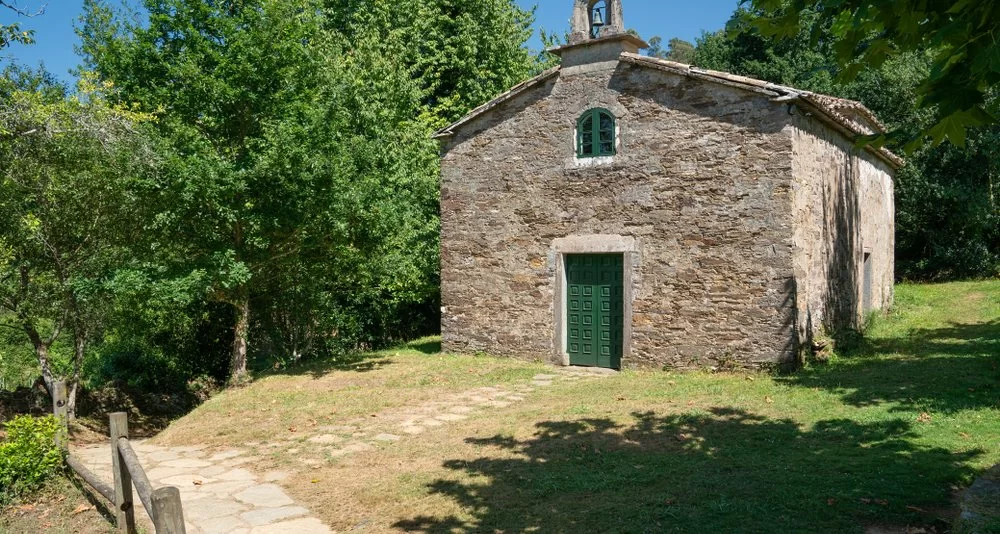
883,435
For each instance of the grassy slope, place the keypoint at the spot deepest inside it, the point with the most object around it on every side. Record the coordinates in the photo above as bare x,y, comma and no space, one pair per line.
881,435
316,394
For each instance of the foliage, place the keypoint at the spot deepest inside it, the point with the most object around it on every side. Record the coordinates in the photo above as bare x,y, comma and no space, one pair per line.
243,198
960,37
948,213
12,33
297,183
29,455
461,53
18,366
948,220
677,50
66,195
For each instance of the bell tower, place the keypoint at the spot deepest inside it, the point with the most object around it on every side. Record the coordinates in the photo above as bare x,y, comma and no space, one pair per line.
597,34
593,19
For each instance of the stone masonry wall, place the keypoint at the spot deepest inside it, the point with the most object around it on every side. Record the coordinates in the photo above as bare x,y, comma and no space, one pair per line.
878,227
702,182
843,206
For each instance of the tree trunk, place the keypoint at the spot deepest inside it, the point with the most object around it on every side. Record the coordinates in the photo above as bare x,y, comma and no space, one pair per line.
993,197
42,353
238,364
79,352
40,345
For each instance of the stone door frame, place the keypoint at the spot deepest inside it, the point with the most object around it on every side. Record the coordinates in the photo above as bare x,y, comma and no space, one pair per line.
592,244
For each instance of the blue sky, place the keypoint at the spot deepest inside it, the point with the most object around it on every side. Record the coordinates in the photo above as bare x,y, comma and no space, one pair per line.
666,18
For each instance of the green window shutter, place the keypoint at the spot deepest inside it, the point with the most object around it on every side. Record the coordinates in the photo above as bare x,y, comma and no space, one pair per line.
595,134
585,131
606,132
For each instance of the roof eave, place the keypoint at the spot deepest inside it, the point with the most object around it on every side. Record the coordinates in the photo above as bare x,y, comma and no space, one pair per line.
886,155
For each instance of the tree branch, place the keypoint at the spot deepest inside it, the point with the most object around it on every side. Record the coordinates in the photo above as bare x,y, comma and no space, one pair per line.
20,11
57,330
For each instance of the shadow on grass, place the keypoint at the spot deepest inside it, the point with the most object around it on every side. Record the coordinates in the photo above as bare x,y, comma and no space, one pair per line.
426,346
723,471
358,362
942,370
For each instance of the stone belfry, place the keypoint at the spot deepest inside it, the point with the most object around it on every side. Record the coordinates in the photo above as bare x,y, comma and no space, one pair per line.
597,34
607,14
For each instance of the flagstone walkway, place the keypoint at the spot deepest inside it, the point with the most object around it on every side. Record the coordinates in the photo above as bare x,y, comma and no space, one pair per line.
217,494
220,495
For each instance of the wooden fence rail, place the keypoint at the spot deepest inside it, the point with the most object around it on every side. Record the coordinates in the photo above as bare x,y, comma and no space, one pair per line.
100,486
163,505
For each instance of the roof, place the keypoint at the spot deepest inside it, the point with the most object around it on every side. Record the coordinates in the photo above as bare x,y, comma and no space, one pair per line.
848,116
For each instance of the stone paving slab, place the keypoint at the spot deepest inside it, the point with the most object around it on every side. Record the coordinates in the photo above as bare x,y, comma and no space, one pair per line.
218,496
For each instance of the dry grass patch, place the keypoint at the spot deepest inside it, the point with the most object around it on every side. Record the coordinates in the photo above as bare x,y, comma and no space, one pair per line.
60,508
292,405
884,434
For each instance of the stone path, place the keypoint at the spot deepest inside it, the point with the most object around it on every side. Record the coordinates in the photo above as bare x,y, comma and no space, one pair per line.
981,505
221,496
218,495
328,443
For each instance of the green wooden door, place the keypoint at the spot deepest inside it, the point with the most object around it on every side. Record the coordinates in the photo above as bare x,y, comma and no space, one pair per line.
595,309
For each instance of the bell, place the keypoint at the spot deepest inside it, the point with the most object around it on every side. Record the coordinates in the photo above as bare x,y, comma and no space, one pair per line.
598,21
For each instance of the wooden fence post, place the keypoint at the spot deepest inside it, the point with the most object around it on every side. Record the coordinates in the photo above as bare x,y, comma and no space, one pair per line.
168,517
59,410
124,508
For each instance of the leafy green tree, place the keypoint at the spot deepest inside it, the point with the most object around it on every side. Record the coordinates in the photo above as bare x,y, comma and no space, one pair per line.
373,250
462,52
959,35
223,76
794,61
64,198
677,50
656,48
299,181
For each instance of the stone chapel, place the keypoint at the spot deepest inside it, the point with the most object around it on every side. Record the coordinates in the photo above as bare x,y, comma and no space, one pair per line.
626,211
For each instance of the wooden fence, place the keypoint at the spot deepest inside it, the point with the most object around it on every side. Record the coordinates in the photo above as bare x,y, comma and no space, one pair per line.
163,505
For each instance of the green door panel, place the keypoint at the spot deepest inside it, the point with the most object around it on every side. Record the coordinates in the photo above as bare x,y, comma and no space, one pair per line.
595,309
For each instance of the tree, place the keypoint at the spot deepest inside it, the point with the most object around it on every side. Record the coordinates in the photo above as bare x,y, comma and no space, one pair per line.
677,50
960,36
656,48
64,198
225,75
300,179
796,62
12,33
463,53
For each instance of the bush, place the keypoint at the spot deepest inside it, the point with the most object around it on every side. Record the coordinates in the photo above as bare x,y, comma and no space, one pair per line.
29,456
